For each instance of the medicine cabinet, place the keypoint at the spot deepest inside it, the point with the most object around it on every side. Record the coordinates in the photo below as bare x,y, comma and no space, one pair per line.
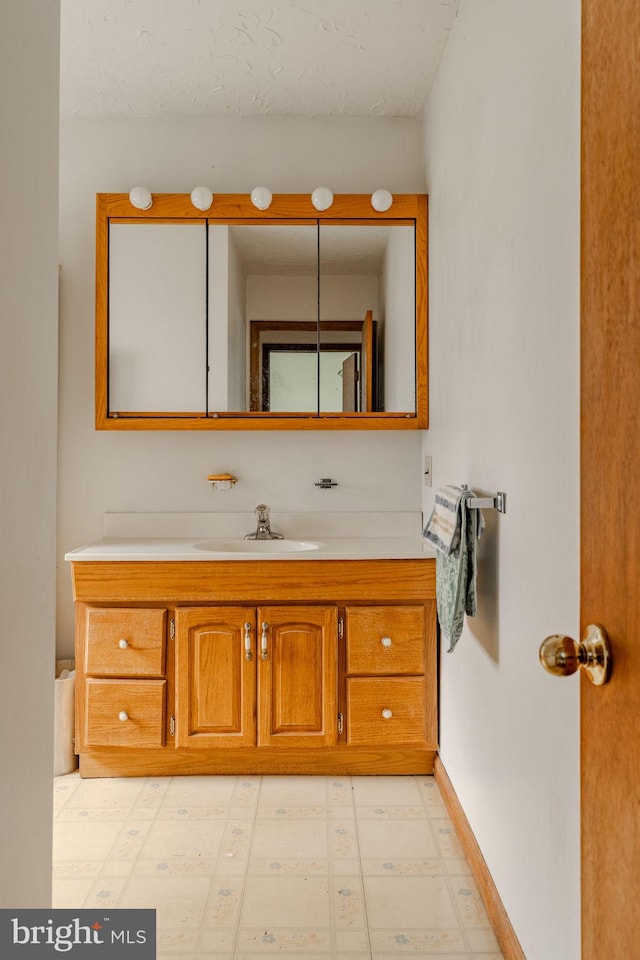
237,318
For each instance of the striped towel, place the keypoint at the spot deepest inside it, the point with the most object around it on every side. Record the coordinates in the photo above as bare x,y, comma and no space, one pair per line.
456,559
443,528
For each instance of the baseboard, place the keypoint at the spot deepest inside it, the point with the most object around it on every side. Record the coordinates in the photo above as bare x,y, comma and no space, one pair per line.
493,904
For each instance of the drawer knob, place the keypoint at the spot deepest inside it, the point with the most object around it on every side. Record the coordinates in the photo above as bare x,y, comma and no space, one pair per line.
123,644
386,641
123,715
387,714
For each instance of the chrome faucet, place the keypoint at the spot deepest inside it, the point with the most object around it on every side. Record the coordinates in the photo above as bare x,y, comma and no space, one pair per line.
263,530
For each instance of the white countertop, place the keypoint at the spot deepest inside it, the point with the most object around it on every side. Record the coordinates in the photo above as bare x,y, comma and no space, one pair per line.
350,535
186,548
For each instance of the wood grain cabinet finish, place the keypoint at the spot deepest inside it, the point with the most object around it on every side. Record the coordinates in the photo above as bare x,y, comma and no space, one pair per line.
216,688
385,640
297,676
125,713
119,651
386,710
125,642
248,668
388,674
251,677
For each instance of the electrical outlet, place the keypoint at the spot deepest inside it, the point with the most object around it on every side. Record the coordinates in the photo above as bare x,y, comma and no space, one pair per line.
427,471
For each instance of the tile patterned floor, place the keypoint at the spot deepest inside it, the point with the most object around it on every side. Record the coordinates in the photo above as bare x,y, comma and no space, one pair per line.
245,868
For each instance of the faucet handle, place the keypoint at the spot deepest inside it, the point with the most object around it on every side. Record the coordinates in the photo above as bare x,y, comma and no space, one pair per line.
262,512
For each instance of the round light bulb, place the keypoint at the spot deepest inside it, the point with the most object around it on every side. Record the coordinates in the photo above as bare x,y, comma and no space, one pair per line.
201,198
322,198
381,200
140,198
261,197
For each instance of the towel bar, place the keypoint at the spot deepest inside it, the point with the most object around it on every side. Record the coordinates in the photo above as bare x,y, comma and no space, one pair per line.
499,502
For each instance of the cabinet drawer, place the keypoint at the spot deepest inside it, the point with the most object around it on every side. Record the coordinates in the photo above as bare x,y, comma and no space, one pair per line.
388,711
125,713
125,642
384,640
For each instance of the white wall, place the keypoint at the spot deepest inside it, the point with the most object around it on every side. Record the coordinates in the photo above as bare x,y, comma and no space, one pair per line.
502,166
29,46
105,471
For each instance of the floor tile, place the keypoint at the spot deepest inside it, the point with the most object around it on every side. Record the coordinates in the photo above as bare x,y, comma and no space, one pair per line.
107,792
223,905
105,892
195,838
291,943
395,839
380,791
298,839
446,839
418,943
243,868
199,791
409,902
293,791
482,941
347,903
469,902
286,902
75,840
70,893
179,902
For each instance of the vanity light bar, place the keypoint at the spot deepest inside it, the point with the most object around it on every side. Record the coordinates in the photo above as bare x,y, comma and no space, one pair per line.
261,197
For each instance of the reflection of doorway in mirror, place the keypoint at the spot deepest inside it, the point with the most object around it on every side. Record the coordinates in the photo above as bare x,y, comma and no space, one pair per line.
304,337
291,372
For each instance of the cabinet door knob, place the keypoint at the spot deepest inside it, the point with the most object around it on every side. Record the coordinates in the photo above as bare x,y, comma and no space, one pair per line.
387,714
247,641
386,641
123,715
123,644
263,641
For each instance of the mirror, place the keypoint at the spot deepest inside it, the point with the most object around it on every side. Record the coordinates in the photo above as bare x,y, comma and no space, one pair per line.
246,319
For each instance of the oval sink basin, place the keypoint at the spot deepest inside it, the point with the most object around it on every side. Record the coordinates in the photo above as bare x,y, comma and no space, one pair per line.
256,546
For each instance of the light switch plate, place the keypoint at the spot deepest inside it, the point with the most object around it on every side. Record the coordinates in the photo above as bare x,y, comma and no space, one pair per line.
427,471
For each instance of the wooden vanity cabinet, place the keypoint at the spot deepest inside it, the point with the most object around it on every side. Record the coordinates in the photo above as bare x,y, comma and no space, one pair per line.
250,677
122,700
298,666
387,655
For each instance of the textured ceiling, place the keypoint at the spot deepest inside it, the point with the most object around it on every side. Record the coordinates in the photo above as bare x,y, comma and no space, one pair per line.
251,58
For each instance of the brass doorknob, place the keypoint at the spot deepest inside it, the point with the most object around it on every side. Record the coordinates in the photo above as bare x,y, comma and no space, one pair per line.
562,656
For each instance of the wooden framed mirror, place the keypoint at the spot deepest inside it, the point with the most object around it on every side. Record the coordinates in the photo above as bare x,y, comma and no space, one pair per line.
236,318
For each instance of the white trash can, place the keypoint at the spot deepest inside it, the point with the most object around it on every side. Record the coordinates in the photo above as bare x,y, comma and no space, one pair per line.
64,758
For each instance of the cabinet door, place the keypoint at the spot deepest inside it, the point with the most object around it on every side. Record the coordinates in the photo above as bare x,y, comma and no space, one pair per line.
216,683
297,676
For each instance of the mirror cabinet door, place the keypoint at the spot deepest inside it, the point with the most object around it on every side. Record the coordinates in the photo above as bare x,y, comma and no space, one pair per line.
249,320
275,289
368,309
157,318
